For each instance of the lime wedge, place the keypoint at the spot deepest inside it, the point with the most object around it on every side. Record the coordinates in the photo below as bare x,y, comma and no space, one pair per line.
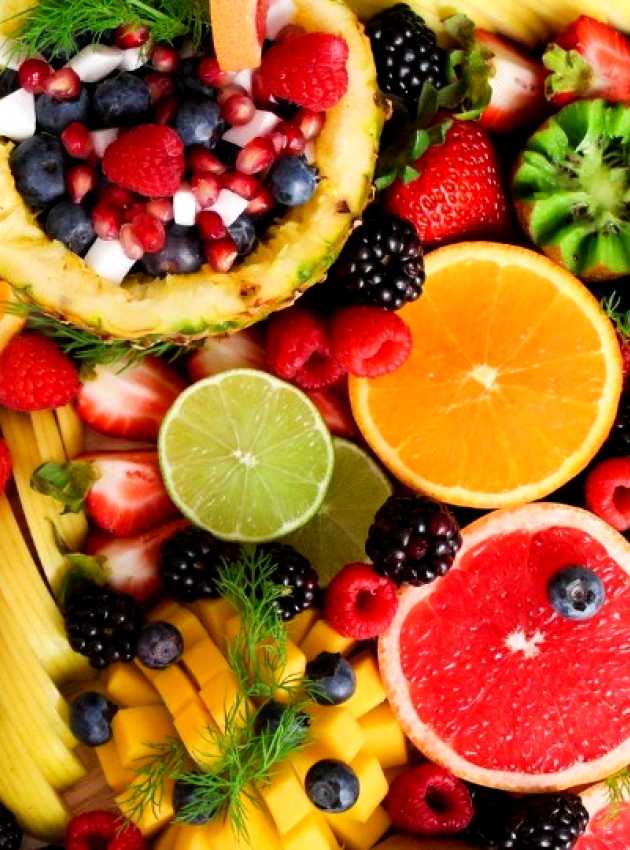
245,456
337,533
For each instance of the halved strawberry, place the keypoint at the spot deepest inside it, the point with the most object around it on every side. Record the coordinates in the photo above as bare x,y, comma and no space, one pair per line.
334,407
131,403
243,350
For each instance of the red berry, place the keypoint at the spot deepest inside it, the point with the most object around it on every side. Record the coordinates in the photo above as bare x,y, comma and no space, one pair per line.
131,242
133,210
278,140
203,161
290,31
238,109
80,179
161,208
77,140
295,141
35,375
160,85
369,341
210,225
165,110
334,406
360,603
205,188
33,74
309,123
261,203
149,231
102,829
64,84
129,36
107,220
429,800
149,160
228,92
221,253
256,156
607,492
210,74
298,350
6,467
116,196
242,184
164,58
259,92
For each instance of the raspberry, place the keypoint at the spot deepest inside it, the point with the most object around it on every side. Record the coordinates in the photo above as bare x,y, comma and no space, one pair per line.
369,341
102,829
309,70
607,489
429,800
5,466
298,350
360,603
148,159
35,375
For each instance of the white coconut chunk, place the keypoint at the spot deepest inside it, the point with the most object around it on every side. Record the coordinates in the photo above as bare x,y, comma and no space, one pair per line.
12,55
134,58
184,206
107,258
281,13
95,62
17,115
261,124
244,79
229,206
102,139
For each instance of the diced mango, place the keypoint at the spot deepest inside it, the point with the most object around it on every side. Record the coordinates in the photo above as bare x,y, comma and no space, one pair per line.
189,626
384,737
214,614
136,730
221,697
302,760
260,828
195,727
216,835
154,815
147,672
336,731
359,836
286,798
373,785
126,685
175,688
369,691
204,661
116,776
162,610
323,638
292,673
298,627
311,833
167,839
232,628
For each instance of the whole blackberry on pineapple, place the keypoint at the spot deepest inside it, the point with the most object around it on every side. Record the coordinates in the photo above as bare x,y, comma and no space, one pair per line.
294,572
190,562
545,822
10,832
413,540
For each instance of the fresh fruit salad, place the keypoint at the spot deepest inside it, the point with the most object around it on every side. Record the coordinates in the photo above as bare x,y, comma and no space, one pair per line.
314,425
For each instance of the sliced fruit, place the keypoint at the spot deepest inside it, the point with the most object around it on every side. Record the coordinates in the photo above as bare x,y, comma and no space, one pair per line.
262,476
487,679
10,325
511,387
72,431
238,31
609,824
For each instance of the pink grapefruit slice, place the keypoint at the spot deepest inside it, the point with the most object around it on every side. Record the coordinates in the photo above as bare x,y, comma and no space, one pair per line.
609,824
489,681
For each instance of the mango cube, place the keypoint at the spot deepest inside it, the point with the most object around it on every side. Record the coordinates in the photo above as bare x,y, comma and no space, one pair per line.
299,626
373,784
292,673
126,685
214,614
302,760
175,688
221,697
116,776
336,731
261,830
189,626
204,661
384,737
232,628
311,833
162,610
369,691
136,730
167,839
359,836
216,835
323,638
195,727
154,815
286,798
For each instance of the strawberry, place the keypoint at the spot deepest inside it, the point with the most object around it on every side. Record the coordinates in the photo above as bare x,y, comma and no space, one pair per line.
148,159
517,82
129,403
243,350
6,466
458,194
589,59
334,406
309,70
35,374
131,563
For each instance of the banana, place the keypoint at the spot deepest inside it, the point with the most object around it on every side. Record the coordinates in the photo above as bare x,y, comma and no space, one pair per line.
72,432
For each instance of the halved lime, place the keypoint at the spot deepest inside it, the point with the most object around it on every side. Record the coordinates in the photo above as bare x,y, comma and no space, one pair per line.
245,456
337,533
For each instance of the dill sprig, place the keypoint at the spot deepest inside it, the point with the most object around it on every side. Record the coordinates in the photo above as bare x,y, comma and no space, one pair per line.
620,318
618,790
167,759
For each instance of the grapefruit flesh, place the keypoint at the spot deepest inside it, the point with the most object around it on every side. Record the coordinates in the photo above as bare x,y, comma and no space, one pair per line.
609,824
488,680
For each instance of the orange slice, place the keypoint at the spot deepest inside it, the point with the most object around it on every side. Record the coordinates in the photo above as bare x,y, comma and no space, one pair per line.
238,31
9,325
512,385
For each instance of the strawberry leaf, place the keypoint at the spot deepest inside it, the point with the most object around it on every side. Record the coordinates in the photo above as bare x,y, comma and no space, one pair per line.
68,483
570,73
469,69
82,570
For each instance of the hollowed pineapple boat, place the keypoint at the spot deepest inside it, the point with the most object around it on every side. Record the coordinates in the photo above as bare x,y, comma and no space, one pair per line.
294,254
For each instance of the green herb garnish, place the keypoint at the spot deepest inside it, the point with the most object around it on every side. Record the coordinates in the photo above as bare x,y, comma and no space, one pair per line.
167,760
620,318
618,790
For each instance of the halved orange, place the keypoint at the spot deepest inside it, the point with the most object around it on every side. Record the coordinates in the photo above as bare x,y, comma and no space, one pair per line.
9,324
512,385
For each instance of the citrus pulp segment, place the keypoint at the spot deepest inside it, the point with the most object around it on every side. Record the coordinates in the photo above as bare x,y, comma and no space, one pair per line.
512,385
488,680
609,824
245,456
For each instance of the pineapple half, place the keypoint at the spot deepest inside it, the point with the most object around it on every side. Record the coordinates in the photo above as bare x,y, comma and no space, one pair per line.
294,254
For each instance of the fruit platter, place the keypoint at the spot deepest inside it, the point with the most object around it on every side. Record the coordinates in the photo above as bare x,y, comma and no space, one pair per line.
314,425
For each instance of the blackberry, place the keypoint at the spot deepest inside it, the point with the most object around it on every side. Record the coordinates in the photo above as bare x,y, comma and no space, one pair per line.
381,265
619,438
490,811
189,563
296,574
406,53
413,540
103,625
545,822
10,832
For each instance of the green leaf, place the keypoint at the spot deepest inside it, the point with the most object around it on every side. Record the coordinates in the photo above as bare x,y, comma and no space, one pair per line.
420,144
81,570
409,174
68,483
570,72
385,181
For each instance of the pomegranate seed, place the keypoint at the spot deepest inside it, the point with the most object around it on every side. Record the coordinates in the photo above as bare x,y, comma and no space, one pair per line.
165,58
238,109
211,225
63,85
259,93
256,156
210,74
295,140
161,208
289,32
160,85
228,92
205,188
165,110
130,242
116,196
309,123
107,220
77,140
278,140
149,231
137,208
221,253
203,161
80,179
131,35
243,184
261,203
33,74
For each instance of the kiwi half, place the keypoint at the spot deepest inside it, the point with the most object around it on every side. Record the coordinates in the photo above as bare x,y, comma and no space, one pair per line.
572,189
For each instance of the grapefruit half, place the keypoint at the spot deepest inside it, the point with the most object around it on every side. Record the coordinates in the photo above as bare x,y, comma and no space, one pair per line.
489,681
609,824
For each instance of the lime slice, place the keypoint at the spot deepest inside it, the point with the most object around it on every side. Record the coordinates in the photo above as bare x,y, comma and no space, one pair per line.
337,533
245,456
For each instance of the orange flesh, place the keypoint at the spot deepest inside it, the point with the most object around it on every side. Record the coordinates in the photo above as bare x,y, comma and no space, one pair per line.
238,29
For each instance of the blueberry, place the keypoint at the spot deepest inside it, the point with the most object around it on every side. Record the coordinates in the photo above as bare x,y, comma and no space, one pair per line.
184,794
8,81
332,786
187,80
37,166
160,645
293,181
181,254
55,115
121,100
270,715
198,122
90,718
333,676
243,233
72,225
576,593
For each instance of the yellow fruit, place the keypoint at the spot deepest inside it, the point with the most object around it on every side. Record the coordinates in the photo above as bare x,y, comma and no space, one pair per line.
175,688
204,661
136,730
292,673
286,799
323,638
303,760
197,730
221,697
117,777
189,626
167,839
312,833
125,685
214,614
369,691
10,325
71,429
383,736
359,836
298,627
154,815
373,785
335,731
